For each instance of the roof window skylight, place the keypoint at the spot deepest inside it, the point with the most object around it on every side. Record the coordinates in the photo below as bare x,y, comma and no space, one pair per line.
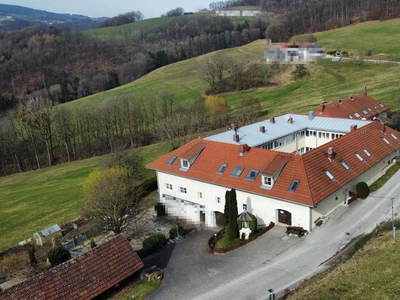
365,112
381,105
393,136
252,174
346,166
222,168
171,160
359,157
367,153
327,173
386,141
237,171
294,185
357,115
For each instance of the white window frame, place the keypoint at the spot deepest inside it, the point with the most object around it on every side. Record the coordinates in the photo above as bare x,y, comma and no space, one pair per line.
169,186
330,176
183,162
182,190
218,200
267,181
200,195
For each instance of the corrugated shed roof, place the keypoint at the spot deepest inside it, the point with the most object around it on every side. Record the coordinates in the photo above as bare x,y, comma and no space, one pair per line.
82,278
50,230
309,169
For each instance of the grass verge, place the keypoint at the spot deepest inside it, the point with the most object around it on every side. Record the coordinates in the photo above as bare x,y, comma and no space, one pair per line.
385,177
140,290
371,273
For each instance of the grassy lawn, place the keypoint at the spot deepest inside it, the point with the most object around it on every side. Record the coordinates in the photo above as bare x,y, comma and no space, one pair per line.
371,273
34,200
140,290
378,36
119,32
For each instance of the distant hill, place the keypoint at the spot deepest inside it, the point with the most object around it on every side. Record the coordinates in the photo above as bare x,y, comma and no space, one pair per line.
14,17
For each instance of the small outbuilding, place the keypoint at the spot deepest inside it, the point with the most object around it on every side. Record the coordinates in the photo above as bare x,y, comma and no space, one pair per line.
46,235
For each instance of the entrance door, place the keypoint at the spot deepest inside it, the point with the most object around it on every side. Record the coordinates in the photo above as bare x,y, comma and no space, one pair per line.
284,217
219,219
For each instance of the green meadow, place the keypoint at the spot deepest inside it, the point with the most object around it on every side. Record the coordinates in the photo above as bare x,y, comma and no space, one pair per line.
34,200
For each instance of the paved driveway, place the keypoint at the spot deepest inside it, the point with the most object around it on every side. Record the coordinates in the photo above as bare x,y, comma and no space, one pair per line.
191,271
269,261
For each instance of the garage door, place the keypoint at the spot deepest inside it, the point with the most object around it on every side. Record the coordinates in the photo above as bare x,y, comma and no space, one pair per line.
284,217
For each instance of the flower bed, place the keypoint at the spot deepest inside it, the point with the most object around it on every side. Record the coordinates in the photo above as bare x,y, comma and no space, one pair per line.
212,241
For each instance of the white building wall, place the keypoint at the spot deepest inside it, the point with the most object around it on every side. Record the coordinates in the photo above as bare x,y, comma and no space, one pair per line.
264,208
341,196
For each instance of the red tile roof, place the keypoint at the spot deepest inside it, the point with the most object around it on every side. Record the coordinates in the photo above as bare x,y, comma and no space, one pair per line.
193,151
82,278
346,107
309,168
274,166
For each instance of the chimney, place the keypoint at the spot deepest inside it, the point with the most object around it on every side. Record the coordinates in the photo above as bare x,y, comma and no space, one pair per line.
272,120
290,119
322,106
365,90
244,148
331,154
339,101
311,115
236,137
383,127
353,127
351,98
262,129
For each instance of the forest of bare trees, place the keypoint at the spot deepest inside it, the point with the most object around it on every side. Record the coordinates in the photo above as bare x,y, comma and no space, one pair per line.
38,134
63,65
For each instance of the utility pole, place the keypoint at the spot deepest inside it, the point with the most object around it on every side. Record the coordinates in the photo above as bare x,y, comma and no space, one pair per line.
393,227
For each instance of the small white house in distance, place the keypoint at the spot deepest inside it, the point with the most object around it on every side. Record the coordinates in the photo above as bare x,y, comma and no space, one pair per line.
46,235
237,13
291,170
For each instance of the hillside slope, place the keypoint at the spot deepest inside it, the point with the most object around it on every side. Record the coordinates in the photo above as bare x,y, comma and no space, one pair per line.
328,80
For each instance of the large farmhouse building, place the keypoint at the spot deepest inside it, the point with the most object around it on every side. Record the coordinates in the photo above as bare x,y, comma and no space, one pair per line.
360,107
291,169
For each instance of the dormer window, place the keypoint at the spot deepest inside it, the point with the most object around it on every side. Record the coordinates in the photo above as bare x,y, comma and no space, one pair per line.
267,181
184,164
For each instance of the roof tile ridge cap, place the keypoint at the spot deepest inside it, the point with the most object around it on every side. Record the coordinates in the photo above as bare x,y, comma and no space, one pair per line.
311,195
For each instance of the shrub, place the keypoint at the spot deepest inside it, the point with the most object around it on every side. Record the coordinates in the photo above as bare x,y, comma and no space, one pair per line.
225,242
173,232
154,242
362,190
92,244
299,72
57,255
